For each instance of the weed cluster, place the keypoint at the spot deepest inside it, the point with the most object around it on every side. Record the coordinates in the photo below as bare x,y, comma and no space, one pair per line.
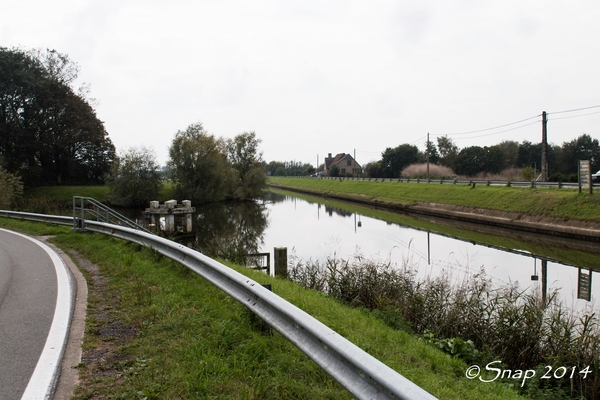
522,328
43,205
420,171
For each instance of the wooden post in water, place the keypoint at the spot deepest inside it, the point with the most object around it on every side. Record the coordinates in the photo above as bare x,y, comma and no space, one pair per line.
280,259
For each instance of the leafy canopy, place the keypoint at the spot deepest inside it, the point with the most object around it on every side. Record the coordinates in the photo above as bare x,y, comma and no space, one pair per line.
49,134
207,169
135,178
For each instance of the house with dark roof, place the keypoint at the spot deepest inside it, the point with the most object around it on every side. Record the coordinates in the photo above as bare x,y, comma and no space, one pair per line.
345,163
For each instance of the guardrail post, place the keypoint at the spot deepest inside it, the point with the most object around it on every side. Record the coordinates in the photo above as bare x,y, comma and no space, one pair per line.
266,328
280,260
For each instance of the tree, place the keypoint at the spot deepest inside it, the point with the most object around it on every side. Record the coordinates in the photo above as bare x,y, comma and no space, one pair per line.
431,152
582,148
448,152
11,189
510,153
243,153
530,155
494,159
393,161
135,178
275,168
199,166
471,161
48,133
373,169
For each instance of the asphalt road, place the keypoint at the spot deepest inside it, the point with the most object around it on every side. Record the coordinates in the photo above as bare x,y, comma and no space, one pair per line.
29,281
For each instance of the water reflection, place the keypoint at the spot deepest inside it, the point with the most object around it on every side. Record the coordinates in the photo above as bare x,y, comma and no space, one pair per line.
228,230
314,231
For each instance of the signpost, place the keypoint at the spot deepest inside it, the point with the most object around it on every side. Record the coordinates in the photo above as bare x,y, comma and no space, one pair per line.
584,288
585,175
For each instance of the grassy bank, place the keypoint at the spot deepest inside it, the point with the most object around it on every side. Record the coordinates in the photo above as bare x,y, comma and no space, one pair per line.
156,330
62,196
559,203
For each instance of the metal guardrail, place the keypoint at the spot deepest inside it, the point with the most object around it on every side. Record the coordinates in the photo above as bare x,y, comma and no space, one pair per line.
52,219
361,374
99,212
476,182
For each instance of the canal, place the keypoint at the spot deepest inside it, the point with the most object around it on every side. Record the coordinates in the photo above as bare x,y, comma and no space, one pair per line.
314,229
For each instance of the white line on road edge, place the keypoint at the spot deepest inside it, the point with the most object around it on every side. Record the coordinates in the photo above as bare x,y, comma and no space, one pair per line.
47,371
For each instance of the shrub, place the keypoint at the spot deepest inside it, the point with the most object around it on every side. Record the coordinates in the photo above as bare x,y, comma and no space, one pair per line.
468,318
420,171
11,189
135,178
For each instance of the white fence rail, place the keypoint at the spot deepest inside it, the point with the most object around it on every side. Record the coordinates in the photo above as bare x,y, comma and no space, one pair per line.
476,182
471,182
361,374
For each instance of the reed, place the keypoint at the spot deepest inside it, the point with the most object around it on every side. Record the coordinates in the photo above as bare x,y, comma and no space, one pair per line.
470,318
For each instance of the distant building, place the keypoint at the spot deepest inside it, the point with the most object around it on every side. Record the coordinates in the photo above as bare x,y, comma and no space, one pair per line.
345,163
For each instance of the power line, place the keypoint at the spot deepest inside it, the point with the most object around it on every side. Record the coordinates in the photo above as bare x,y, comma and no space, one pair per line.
574,110
418,140
506,130
367,152
576,116
489,129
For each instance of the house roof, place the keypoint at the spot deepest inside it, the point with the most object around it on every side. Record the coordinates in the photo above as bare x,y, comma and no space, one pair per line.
331,161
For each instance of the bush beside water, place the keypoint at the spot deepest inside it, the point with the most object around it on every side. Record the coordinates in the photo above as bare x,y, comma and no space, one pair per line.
471,319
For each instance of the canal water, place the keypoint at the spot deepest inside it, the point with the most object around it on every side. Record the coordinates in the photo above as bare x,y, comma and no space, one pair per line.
313,231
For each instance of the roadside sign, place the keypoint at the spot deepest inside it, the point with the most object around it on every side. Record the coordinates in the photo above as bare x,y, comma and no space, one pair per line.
585,176
584,288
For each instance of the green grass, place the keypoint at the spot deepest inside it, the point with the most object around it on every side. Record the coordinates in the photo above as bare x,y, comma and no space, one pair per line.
560,203
64,194
190,340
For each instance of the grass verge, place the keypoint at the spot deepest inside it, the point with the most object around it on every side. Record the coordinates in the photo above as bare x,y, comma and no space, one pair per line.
559,203
156,330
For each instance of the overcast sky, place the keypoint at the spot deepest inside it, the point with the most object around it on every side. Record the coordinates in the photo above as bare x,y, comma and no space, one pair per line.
313,77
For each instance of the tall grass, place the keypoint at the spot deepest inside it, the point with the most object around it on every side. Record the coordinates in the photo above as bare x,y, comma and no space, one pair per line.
421,171
523,329
441,172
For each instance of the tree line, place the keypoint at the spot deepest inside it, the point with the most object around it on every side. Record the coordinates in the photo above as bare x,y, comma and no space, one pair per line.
469,161
474,160
201,168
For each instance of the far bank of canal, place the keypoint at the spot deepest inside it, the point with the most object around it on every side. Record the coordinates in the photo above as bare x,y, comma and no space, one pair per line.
554,260
560,213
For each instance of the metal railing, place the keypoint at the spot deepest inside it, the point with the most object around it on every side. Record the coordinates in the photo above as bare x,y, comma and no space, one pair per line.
83,206
471,182
361,374
52,219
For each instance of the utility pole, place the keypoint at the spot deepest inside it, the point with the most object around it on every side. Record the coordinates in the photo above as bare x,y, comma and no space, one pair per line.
544,147
427,152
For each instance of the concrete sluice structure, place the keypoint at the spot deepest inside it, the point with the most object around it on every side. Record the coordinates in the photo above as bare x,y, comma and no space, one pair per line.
168,211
